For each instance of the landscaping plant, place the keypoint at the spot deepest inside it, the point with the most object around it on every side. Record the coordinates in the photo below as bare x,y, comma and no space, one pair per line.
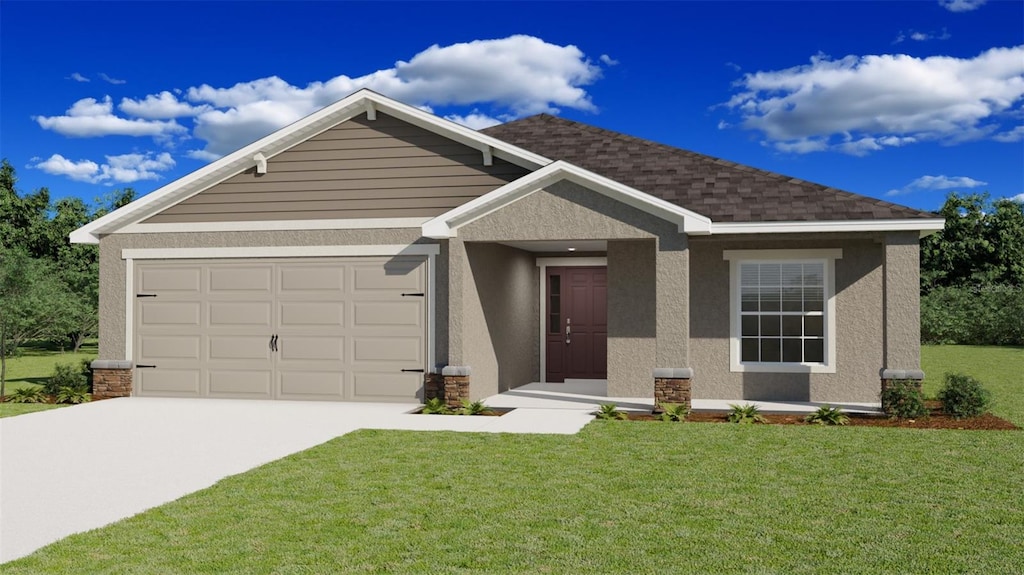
436,406
66,375
674,411
28,395
964,396
473,408
73,394
746,413
902,399
828,415
610,411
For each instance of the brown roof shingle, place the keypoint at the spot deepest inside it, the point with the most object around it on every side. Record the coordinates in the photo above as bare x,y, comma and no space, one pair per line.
721,190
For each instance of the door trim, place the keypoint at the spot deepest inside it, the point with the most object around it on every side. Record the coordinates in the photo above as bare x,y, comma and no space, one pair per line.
543,264
431,251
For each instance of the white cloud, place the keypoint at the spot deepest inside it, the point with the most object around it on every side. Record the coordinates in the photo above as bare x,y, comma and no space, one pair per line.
1010,136
961,5
77,77
919,36
862,104
1018,198
474,120
938,183
125,168
107,78
159,107
89,117
608,60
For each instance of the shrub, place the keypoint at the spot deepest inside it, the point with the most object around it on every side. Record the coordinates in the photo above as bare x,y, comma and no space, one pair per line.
746,413
28,395
73,394
963,396
674,411
965,315
828,415
436,406
65,375
473,408
610,411
902,399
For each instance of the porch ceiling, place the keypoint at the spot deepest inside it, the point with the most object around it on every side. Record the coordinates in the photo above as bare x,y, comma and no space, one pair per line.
560,245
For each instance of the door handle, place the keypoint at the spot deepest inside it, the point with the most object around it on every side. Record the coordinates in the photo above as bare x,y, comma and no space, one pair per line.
568,331
273,342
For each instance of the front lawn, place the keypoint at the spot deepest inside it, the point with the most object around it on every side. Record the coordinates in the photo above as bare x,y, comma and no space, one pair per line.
619,497
33,365
1000,369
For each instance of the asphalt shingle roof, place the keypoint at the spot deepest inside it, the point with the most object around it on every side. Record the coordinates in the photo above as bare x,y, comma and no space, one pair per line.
721,190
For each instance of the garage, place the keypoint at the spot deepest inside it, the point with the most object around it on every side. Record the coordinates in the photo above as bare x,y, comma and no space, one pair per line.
332,329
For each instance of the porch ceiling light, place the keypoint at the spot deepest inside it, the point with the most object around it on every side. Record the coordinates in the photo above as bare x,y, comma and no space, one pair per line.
572,249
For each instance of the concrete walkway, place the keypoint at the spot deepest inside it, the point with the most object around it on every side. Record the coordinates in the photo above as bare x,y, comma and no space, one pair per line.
78,468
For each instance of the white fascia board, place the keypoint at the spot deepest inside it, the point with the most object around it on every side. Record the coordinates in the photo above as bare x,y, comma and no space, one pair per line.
447,224
259,226
287,137
281,252
925,226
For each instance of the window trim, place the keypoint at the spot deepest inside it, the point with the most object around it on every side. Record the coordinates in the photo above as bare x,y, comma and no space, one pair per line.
828,258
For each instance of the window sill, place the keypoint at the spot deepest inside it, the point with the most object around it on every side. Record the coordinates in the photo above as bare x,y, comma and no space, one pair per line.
782,368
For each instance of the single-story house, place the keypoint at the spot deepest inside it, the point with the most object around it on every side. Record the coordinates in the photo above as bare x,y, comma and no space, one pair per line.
375,252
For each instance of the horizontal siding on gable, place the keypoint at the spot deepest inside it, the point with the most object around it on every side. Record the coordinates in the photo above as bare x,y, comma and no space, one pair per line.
383,168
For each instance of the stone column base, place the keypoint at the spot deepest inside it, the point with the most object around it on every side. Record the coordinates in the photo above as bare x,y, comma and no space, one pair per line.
451,385
915,376
111,378
672,385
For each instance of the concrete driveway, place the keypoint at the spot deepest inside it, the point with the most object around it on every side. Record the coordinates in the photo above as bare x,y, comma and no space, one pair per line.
78,468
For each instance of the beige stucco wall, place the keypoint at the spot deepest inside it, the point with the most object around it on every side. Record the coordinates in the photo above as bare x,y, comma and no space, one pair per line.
902,301
859,324
112,268
632,318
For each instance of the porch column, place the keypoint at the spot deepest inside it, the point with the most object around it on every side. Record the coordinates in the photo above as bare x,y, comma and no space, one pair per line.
451,382
902,308
672,372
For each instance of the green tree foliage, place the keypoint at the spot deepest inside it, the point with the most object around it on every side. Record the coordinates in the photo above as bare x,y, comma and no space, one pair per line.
972,274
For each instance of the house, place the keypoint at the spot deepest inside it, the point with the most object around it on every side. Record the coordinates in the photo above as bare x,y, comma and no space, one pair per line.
374,252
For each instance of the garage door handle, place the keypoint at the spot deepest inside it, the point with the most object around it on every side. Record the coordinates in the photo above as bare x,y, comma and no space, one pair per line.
415,294
145,295
273,342
412,370
141,365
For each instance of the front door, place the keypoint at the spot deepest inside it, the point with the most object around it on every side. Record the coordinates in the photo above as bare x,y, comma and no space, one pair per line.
576,341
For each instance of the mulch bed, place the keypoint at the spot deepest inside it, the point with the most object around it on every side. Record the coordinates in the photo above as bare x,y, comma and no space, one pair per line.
936,419
494,412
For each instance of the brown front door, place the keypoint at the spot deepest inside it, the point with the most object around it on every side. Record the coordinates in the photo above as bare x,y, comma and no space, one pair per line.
576,323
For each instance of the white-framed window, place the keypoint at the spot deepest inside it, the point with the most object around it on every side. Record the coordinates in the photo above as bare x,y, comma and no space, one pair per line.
782,310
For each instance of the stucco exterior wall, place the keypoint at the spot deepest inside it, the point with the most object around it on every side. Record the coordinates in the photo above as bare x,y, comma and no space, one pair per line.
902,301
632,318
112,267
859,323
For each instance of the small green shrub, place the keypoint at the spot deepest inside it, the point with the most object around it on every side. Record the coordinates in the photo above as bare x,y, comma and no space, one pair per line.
902,399
436,406
73,394
746,413
28,395
65,375
828,415
473,408
610,411
963,396
674,411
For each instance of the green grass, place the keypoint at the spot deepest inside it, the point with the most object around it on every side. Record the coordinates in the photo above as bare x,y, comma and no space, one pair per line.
33,365
1000,370
620,497
12,409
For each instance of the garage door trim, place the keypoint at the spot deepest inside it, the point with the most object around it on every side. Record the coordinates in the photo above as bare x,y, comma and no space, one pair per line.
431,251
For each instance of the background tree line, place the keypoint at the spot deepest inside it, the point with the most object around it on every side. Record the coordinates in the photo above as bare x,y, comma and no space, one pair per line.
49,287
972,274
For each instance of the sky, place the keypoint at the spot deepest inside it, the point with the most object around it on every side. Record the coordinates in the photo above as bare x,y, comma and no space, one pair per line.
903,101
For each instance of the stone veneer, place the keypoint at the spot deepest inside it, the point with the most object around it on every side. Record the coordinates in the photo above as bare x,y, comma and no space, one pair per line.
451,385
672,385
111,378
890,375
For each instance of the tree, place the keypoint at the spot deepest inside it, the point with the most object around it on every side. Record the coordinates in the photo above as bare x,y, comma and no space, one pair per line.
33,301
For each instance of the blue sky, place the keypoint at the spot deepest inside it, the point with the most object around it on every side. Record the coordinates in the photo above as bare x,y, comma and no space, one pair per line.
904,101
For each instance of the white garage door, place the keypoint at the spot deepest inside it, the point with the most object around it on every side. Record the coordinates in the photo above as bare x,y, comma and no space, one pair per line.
341,329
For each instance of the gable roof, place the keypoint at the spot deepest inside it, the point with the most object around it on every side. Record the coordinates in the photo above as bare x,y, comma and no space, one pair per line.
724,191
257,153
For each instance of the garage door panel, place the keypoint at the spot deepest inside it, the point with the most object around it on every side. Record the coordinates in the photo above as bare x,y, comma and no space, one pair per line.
170,279
168,382
242,279
232,313
240,382
297,279
328,348
154,347
404,313
312,385
160,313
228,347
386,386
392,349
298,314
394,276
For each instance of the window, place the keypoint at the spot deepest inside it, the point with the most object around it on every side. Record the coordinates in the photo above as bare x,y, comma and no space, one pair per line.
782,312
